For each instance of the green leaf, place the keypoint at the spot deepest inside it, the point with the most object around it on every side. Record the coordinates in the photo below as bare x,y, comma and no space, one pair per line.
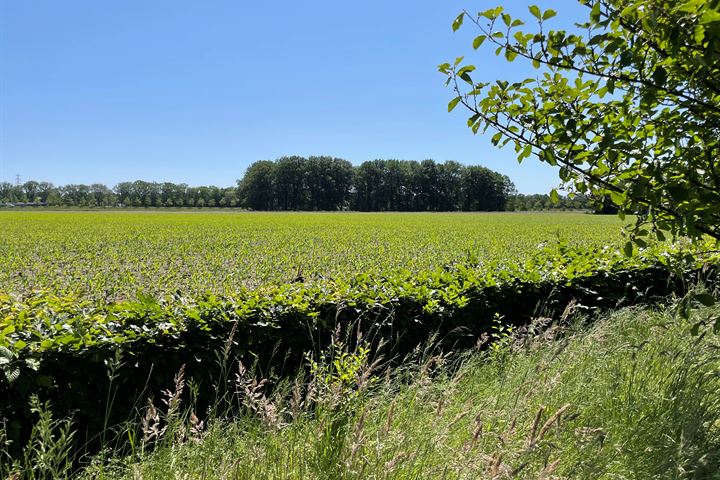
549,156
710,15
659,76
492,13
640,242
453,103
549,14
628,249
535,11
12,374
526,152
705,299
695,329
617,198
610,86
479,40
554,197
690,6
458,22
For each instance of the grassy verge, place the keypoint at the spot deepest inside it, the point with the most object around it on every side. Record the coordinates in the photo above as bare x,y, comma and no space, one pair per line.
633,396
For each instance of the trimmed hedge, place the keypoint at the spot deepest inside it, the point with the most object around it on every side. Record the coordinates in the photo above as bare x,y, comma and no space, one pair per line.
60,347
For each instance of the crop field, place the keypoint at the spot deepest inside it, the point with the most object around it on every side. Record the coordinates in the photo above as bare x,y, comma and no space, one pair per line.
131,298
71,281
118,255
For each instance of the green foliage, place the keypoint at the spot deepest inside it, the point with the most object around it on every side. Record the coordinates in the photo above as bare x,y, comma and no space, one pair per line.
52,337
632,396
316,183
342,372
49,451
205,291
627,105
324,183
106,257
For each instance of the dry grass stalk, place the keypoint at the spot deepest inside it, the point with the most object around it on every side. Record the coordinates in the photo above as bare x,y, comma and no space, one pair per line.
513,424
197,428
496,468
388,422
151,424
173,398
228,342
552,420
363,379
477,433
549,469
251,390
536,424
358,437
457,418
569,310
296,401
391,464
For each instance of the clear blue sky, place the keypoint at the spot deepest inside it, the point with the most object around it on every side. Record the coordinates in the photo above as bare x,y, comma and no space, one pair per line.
195,91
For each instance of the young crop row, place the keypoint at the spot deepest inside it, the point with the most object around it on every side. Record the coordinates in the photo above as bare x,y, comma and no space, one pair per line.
113,256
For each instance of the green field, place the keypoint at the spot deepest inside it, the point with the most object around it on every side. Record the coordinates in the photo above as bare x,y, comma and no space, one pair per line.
132,298
116,255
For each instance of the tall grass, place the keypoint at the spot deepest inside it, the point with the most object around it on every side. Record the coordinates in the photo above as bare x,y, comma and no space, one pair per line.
633,396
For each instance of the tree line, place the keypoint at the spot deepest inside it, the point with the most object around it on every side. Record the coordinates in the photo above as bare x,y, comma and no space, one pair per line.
315,183
327,183
125,194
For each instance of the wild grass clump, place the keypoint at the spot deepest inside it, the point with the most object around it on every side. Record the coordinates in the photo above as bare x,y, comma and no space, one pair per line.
633,396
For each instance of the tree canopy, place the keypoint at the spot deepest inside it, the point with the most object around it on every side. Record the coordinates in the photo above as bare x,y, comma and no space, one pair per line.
326,183
626,104
299,183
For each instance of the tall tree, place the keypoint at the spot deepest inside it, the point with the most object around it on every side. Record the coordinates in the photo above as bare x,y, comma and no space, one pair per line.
123,191
328,181
368,178
100,196
257,188
484,190
290,188
449,192
427,181
31,190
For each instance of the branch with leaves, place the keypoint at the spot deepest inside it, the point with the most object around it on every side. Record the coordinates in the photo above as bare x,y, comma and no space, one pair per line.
626,104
